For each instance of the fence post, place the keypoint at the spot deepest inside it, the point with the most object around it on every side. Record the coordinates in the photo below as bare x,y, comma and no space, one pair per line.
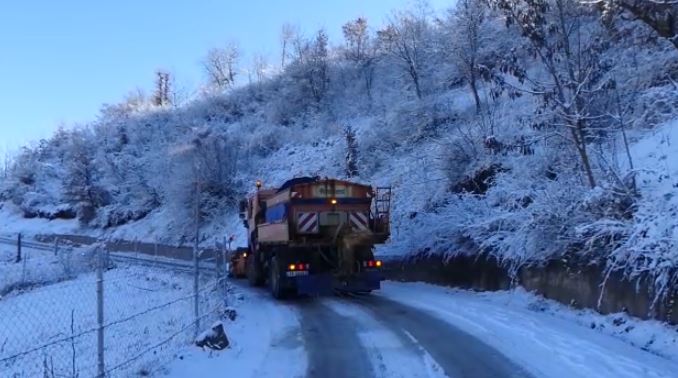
23,268
100,312
56,246
155,251
18,248
217,262
196,283
226,256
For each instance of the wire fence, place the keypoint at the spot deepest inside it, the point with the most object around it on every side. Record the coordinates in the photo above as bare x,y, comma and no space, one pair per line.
83,311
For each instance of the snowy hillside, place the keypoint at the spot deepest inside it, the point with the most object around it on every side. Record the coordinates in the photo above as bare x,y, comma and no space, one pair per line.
497,135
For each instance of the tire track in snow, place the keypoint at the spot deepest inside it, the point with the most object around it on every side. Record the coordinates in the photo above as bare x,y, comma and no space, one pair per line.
332,344
393,354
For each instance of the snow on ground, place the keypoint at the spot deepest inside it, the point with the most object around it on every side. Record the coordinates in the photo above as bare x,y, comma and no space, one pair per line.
655,231
40,265
37,267
12,222
265,342
148,316
548,339
160,226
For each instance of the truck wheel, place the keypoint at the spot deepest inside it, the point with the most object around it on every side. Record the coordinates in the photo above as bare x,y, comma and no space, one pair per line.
254,274
274,279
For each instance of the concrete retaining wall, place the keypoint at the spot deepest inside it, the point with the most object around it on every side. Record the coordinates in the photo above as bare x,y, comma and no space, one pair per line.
579,287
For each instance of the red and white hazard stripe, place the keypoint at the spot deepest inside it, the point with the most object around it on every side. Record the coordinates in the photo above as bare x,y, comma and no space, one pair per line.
359,221
307,223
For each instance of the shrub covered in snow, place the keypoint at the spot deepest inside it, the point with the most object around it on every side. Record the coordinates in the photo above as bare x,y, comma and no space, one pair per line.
520,153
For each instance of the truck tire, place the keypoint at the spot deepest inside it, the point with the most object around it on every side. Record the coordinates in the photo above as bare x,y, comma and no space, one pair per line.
254,274
274,279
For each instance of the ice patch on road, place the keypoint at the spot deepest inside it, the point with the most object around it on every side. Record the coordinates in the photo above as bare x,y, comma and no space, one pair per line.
390,355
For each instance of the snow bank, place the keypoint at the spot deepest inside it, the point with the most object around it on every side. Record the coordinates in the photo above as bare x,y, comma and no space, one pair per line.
265,342
12,222
549,339
652,239
40,266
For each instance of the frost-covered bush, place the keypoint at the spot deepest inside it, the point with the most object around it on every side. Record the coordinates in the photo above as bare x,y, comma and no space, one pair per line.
656,105
500,173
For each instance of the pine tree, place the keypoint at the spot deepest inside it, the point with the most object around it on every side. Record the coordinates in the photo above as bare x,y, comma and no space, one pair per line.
351,152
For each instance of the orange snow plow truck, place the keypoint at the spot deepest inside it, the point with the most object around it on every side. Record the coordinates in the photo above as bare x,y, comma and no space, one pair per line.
316,236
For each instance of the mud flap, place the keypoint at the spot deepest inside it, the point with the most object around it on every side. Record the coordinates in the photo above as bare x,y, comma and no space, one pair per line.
314,284
361,282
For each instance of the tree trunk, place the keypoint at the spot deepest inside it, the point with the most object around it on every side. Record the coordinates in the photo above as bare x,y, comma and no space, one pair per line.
415,79
368,75
580,143
474,89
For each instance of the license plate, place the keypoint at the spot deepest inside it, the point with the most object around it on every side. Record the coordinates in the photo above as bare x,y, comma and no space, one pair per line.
297,274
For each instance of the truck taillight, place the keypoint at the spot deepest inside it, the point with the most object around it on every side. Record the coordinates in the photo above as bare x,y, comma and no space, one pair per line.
295,267
372,264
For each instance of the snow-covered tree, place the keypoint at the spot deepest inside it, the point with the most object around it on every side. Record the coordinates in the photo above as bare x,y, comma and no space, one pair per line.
407,40
351,152
660,15
569,51
81,181
555,89
288,33
310,68
467,40
221,66
259,68
360,50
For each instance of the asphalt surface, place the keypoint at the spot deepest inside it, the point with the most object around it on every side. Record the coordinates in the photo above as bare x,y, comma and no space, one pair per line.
459,354
335,350
333,347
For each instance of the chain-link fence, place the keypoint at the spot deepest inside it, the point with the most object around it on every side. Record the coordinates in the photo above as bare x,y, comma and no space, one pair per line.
74,311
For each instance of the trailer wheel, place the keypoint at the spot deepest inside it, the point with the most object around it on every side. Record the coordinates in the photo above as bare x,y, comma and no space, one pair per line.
274,279
254,273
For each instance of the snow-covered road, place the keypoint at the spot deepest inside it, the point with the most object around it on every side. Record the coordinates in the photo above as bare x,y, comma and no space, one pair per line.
417,330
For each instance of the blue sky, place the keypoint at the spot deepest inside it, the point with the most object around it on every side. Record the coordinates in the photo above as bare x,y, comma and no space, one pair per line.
60,60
